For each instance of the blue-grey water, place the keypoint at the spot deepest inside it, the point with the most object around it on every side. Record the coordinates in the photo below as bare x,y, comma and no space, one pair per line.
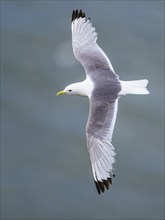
45,168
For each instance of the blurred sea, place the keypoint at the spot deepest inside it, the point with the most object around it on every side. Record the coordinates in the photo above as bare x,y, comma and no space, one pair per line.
45,168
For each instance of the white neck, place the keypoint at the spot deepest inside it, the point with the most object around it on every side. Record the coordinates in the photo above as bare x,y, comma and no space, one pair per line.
85,87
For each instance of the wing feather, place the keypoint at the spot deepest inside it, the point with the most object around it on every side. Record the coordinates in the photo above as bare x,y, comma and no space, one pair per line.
85,48
99,134
103,101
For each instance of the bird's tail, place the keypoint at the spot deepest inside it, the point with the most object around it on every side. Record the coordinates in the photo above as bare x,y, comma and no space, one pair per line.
137,87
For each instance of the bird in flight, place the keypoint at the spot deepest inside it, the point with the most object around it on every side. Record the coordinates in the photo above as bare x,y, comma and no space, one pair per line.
103,88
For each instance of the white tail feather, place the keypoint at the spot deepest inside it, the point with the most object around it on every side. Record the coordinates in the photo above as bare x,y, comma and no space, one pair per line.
134,87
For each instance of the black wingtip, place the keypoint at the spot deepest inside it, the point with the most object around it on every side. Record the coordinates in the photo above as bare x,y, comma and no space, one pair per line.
77,14
100,185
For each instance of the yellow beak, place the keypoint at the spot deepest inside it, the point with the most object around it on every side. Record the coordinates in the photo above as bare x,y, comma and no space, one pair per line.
61,93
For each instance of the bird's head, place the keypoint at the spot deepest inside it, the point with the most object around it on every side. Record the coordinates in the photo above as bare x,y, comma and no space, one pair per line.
73,89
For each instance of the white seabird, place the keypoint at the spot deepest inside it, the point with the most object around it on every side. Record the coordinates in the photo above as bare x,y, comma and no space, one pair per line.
103,88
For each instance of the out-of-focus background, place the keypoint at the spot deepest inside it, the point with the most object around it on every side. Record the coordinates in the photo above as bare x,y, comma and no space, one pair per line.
45,168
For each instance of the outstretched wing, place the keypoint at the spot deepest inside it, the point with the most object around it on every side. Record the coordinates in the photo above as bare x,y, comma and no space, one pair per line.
99,132
85,48
103,101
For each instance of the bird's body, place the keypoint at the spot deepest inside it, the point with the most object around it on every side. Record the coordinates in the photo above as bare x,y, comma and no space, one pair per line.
103,88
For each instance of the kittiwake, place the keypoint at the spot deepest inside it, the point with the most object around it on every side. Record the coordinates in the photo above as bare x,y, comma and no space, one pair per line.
103,88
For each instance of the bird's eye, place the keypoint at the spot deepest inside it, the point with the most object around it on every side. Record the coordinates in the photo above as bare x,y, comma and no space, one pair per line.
70,90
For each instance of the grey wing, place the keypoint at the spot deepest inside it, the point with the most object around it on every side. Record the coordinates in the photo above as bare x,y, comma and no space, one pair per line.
85,48
99,132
